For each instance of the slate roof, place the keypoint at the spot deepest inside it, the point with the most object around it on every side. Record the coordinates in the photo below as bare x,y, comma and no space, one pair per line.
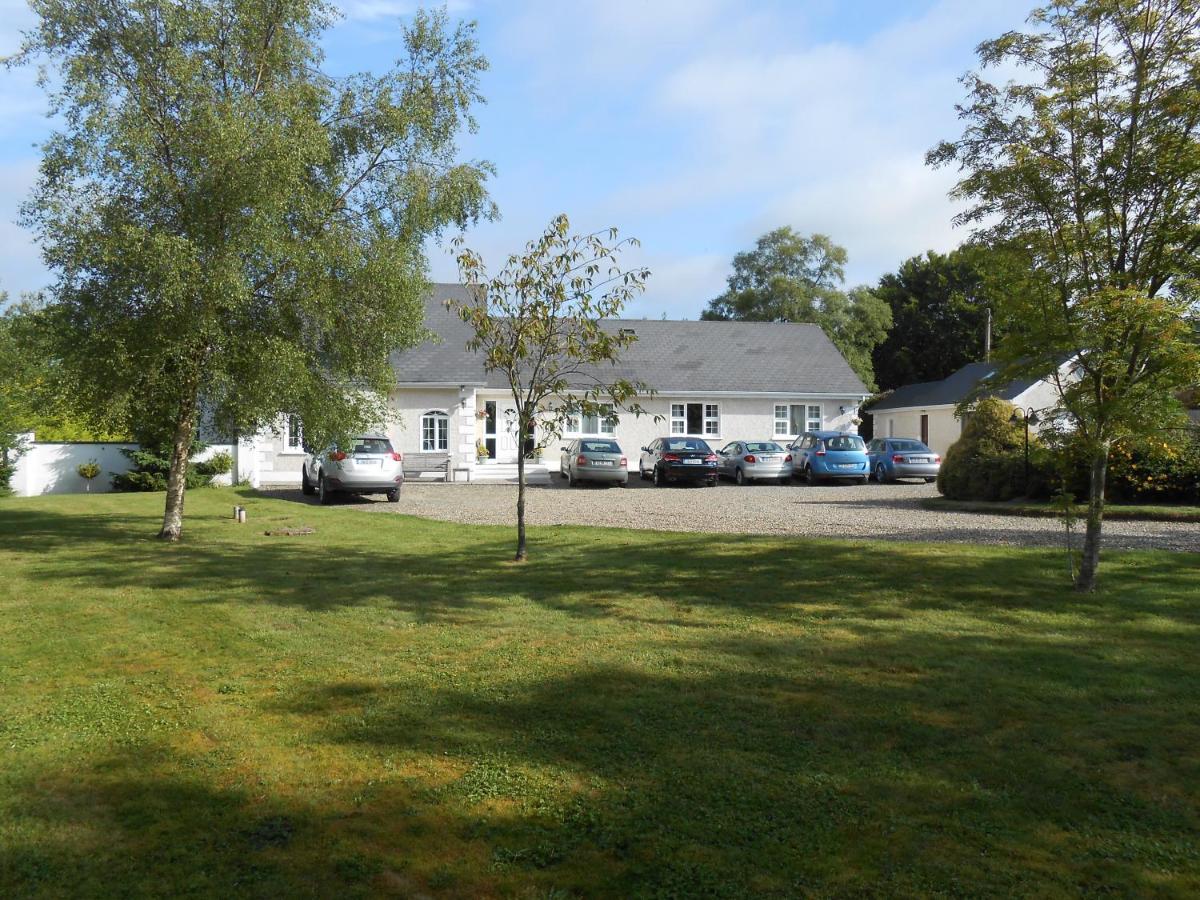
669,356
950,390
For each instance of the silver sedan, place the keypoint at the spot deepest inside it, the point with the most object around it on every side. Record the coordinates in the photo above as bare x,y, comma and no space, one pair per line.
755,461
594,459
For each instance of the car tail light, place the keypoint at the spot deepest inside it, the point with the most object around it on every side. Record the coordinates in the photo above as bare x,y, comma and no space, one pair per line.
788,458
670,457
581,460
749,458
337,455
624,463
820,452
712,457
897,458
937,459
396,457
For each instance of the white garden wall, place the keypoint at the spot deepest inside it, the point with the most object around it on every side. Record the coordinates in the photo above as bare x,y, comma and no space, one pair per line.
51,468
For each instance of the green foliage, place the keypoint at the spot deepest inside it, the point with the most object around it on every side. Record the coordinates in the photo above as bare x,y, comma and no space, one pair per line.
539,323
987,462
88,470
939,305
152,466
232,228
1085,164
791,278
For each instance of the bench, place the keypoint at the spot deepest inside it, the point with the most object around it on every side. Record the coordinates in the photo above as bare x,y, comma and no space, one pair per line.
426,465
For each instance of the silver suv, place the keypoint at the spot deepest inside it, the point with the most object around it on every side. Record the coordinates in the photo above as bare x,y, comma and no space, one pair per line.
368,466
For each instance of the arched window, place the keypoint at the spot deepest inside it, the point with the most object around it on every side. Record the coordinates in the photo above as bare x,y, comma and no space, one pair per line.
435,431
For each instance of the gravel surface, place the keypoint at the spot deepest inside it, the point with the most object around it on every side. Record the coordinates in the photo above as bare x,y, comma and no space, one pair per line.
889,512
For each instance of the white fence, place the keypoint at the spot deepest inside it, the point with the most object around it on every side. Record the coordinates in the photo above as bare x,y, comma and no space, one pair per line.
51,468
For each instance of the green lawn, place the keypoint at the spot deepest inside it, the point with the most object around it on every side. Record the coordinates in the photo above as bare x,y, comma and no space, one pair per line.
1144,512
390,707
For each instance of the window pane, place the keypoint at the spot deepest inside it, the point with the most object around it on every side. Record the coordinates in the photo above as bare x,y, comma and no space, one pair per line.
797,420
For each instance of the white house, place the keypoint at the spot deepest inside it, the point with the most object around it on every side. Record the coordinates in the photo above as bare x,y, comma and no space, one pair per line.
927,410
715,380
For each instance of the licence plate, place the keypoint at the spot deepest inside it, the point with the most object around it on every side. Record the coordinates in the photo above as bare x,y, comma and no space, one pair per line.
692,462
769,458
368,463
602,462
917,459
847,465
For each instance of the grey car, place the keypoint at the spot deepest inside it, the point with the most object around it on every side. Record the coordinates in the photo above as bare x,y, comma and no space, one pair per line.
367,465
594,459
893,458
755,461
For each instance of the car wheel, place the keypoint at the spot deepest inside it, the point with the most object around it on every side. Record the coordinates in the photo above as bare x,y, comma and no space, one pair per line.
880,474
393,495
660,480
324,495
712,482
739,477
306,487
811,476
572,481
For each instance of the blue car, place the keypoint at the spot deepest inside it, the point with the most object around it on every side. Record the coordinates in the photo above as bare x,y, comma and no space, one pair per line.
893,458
819,456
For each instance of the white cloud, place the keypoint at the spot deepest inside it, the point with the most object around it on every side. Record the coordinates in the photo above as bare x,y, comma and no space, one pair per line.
373,10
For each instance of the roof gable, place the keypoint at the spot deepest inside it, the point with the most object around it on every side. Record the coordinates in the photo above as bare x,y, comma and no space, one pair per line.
951,390
669,356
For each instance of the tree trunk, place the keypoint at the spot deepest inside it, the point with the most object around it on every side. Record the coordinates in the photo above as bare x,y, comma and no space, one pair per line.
1095,520
181,445
522,553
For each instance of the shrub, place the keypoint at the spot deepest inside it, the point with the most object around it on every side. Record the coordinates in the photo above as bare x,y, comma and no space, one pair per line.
1155,471
988,461
153,465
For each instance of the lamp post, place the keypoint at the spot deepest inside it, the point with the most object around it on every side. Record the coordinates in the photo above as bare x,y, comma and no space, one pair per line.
1029,417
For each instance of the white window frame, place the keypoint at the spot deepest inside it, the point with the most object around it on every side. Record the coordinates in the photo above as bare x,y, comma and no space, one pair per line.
435,430
797,414
710,419
293,434
604,419
814,422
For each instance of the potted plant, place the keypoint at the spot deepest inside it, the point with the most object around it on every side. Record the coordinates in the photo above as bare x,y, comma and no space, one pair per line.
481,452
88,471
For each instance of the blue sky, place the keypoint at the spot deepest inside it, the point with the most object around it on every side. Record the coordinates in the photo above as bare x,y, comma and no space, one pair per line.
694,125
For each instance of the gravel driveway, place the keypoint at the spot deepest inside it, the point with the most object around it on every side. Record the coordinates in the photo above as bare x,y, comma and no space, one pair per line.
891,512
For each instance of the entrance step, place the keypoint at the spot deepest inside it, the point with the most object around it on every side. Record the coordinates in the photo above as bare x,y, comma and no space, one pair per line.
506,473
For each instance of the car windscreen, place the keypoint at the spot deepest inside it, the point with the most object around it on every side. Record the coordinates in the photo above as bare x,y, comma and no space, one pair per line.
371,445
763,447
845,442
599,447
908,446
685,444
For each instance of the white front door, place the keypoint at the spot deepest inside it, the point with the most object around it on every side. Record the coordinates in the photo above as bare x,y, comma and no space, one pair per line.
506,434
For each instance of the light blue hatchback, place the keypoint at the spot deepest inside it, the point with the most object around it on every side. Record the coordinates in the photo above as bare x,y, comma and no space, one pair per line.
819,456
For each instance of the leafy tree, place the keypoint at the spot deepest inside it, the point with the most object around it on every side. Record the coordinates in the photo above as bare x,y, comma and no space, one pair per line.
539,322
235,231
939,305
1088,166
15,407
788,277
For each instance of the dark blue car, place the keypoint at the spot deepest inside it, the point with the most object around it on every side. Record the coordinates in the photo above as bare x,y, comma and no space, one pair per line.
820,456
893,458
679,458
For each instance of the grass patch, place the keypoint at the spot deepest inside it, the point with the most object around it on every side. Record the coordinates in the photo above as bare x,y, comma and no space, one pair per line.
1141,512
388,706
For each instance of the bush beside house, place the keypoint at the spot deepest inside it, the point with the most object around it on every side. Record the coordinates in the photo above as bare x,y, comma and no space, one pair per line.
152,466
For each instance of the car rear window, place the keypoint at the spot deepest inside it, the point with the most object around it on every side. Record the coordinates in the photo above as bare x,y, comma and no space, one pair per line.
908,445
763,447
685,444
599,447
844,442
371,445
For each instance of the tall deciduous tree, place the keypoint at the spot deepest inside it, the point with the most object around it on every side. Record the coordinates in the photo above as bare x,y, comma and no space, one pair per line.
539,322
788,277
939,305
234,231
1089,165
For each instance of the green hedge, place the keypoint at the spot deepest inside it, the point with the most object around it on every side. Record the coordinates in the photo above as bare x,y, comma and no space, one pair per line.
151,467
